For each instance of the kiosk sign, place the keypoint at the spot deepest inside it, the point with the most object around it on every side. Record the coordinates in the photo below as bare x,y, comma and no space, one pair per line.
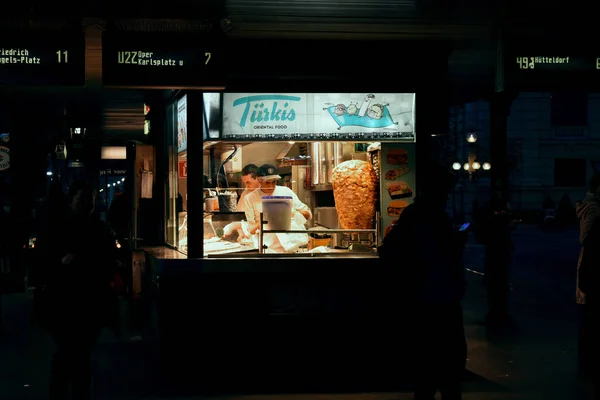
277,116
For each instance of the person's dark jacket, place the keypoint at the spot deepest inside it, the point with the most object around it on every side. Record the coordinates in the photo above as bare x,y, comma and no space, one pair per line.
588,212
426,252
79,293
49,224
119,215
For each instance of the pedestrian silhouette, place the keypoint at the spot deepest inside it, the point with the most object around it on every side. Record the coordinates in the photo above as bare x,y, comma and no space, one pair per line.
431,280
499,250
588,212
75,290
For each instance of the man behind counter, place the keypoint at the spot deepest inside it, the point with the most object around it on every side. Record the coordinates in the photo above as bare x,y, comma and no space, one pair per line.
250,182
268,177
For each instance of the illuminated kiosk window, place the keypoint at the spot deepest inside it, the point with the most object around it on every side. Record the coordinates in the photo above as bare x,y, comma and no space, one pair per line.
176,220
306,170
305,136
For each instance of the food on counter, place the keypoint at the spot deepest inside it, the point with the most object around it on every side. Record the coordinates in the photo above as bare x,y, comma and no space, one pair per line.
397,156
396,173
220,246
354,190
395,208
389,227
233,236
399,190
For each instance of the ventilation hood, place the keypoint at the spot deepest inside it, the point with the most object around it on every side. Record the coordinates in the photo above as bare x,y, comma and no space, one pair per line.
257,153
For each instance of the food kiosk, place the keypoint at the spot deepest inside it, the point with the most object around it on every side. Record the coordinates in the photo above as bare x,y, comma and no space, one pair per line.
348,157
234,313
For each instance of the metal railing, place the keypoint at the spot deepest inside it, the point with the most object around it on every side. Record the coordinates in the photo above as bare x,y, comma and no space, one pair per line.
261,233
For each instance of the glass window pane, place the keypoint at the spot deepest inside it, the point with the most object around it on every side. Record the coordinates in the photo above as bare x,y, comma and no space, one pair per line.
181,175
171,225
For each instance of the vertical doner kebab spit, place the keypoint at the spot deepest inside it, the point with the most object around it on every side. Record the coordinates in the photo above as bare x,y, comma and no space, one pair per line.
354,190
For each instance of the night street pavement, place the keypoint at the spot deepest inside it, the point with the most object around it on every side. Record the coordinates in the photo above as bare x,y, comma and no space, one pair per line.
535,359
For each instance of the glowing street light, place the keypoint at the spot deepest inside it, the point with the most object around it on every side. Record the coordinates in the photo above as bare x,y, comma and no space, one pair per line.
487,166
471,137
456,166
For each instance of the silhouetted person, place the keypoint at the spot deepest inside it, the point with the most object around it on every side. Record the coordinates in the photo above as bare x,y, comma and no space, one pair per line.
548,204
119,216
49,222
588,212
4,233
79,301
427,252
498,257
565,212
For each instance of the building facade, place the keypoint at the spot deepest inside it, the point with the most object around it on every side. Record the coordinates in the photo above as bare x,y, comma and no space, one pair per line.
553,143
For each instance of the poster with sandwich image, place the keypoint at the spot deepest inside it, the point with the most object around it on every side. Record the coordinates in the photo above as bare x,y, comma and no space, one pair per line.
397,182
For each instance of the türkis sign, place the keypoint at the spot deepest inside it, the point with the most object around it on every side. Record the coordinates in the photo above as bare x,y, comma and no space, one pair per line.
320,116
161,60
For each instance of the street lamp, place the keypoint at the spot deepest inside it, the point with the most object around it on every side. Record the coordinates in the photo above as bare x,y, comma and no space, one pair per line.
471,137
471,167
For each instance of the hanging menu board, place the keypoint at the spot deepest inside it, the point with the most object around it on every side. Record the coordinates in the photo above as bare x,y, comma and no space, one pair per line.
397,180
161,60
42,58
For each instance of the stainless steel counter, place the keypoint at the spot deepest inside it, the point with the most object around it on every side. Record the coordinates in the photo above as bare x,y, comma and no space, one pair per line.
166,261
164,252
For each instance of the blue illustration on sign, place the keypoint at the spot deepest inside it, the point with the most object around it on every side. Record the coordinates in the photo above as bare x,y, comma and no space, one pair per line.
369,114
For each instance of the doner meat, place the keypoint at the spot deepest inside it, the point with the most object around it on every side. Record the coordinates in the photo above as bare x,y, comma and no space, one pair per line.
354,187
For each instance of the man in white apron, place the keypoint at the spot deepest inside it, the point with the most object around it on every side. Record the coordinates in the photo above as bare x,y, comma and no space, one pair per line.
279,242
251,183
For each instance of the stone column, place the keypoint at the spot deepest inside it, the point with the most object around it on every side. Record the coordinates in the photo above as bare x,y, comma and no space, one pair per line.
499,110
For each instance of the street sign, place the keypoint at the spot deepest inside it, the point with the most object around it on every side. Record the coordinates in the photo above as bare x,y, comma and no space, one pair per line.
551,65
42,58
161,60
